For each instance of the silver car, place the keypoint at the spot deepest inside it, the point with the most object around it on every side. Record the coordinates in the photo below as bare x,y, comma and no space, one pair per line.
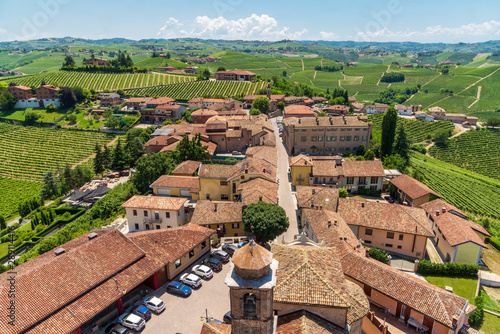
154,304
132,321
203,271
191,280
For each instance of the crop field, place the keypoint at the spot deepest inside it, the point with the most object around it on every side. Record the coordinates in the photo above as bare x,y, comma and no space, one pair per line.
466,190
14,192
29,152
46,117
187,91
475,150
416,130
100,81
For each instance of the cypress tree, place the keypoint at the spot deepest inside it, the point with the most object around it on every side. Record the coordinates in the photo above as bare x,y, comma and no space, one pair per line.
388,131
402,146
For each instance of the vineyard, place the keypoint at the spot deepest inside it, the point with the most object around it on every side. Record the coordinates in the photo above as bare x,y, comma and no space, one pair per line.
14,192
187,91
466,190
29,152
100,81
475,150
416,130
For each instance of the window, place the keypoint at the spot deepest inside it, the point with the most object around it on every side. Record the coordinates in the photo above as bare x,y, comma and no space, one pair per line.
374,179
401,237
362,180
349,129
303,138
203,244
348,138
134,212
388,245
236,226
330,138
373,187
390,235
368,231
249,306
342,129
224,197
368,242
328,149
356,129
320,138
356,138
145,213
364,138
191,253
167,214
399,247
350,180
304,130
314,138
242,177
314,130
147,226
136,226
208,196
157,227
223,183
342,138
178,263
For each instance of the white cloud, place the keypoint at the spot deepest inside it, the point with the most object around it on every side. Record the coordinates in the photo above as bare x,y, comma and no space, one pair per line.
3,31
253,27
436,33
328,36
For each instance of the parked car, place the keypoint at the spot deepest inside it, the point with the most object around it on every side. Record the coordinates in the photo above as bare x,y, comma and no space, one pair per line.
236,153
241,244
119,329
132,321
213,263
227,317
142,311
177,288
389,199
192,280
109,327
154,304
203,271
230,249
221,255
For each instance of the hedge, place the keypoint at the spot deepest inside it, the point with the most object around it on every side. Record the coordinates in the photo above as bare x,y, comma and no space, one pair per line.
379,255
495,243
447,269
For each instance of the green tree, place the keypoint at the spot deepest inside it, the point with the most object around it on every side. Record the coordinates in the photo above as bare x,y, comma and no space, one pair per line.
261,103
206,74
168,55
98,160
284,73
440,136
343,193
68,62
221,68
361,150
67,97
266,221
106,157
30,118
3,224
51,107
134,148
118,160
190,149
49,188
281,105
369,155
150,167
71,118
402,146
254,111
388,131
7,100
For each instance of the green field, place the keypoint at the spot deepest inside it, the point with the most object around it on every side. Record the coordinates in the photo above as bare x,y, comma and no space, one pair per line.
475,150
416,130
187,91
100,81
14,192
46,117
30,152
466,190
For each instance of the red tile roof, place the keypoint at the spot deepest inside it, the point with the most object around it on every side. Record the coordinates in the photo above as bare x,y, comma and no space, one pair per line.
298,110
305,322
175,181
217,171
300,160
255,166
317,196
208,328
155,202
456,230
385,216
188,167
263,152
259,189
363,168
212,212
412,187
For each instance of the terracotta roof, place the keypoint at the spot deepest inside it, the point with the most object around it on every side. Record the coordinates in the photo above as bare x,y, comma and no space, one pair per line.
212,212
50,87
236,72
313,276
412,187
184,127
20,87
337,107
215,329
217,171
252,256
326,167
457,230
363,168
176,181
308,122
263,152
338,235
255,166
155,202
438,205
232,112
298,109
317,196
300,160
385,216
305,322
259,189
204,112
233,133
419,295
188,167
161,100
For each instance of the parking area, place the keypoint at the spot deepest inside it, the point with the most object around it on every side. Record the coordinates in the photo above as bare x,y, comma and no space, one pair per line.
182,315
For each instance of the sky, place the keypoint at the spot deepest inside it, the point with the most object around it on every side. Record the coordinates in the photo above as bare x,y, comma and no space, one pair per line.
357,20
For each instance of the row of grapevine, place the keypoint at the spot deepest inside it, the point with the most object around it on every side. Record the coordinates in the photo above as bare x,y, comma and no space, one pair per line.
187,91
100,81
14,192
475,150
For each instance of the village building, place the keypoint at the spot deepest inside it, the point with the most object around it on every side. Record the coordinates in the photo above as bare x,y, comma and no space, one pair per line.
95,61
377,108
137,103
337,109
169,143
45,95
298,111
234,75
222,217
412,192
404,110
109,99
177,186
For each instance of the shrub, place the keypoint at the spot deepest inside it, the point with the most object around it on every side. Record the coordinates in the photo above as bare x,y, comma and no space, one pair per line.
343,193
379,255
447,269
495,242
369,192
476,317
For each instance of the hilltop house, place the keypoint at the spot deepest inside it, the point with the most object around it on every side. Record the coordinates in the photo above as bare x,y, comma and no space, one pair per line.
377,108
412,192
234,75
94,61
404,110
45,95
109,99
298,111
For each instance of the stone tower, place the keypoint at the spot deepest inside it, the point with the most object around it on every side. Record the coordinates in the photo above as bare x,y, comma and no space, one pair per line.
251,282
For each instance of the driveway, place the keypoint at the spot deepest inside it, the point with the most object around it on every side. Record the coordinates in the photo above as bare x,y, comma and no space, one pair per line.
286,198
182,315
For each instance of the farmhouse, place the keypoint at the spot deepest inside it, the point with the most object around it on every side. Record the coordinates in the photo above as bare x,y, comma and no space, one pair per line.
412,192
47,92
109,99
94,61
377,108
403,110
45,95
234,75
137,103
337,109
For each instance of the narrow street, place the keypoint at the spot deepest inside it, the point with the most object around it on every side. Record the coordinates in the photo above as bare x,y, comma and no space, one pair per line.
286,199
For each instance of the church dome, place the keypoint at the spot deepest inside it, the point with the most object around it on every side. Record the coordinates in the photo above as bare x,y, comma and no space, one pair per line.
252,261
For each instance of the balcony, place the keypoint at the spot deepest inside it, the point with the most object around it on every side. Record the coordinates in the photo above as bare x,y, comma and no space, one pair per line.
147,220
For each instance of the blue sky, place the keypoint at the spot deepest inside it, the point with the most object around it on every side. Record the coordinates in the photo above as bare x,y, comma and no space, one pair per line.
358,20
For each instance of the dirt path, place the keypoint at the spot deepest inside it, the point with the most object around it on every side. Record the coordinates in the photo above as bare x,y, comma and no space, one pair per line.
457,127
388,68
428,82
302,60
495,71
93,154
314,77
480,55
477,97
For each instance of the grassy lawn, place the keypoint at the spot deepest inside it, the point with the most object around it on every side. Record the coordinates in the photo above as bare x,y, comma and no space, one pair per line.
4,249
491,324
464,287
491,257
47,117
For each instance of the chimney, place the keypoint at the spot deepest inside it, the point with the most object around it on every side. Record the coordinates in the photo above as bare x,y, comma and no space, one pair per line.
389,258
312,204
92,235
415,266
329,223
362,204
260,198
59,251
443,209
335,223
321,207
314,191
263,170
215,207
437,212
